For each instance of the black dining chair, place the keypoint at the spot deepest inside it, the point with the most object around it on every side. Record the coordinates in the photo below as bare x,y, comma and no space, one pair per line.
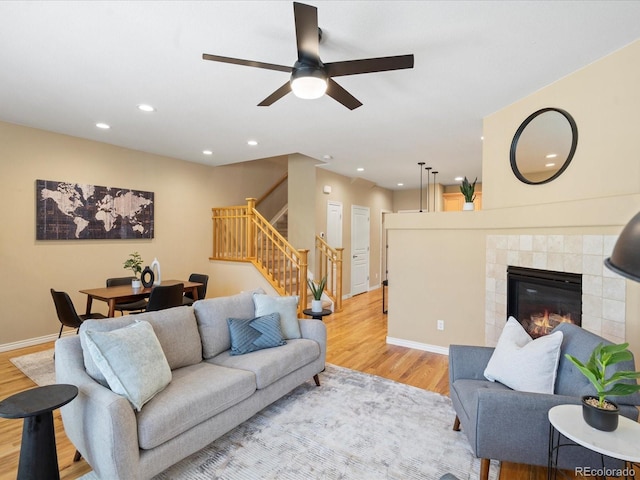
202,290
137,306
67,312
165,296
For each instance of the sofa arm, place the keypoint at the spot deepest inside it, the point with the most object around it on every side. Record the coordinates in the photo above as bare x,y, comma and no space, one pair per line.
317,331
101,424
468,362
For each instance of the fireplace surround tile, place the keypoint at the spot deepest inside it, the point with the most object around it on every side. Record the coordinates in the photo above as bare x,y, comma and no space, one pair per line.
604,292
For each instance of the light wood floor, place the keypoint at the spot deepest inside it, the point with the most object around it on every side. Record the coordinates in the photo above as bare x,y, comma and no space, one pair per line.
356,339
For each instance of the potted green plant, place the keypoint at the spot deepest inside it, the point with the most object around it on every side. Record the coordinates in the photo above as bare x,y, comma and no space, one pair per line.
316,292
597,410
468,190
134,263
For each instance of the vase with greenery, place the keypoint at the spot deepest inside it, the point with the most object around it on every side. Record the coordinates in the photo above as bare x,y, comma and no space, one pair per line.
597,410
468,190
316,292
134,263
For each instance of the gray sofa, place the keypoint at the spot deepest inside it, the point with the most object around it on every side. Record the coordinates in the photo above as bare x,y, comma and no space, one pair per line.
206,397
508,425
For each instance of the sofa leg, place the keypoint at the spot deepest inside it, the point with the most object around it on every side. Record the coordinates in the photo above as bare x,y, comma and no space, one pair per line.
316,379
456,424
77,456
484,468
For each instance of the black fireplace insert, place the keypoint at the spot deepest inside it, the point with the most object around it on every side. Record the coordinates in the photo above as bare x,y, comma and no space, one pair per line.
542,299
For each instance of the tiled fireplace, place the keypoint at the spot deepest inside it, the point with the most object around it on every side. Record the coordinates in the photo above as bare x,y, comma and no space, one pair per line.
603,292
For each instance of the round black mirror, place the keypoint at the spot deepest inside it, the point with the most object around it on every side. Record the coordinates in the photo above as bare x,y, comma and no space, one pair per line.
543,146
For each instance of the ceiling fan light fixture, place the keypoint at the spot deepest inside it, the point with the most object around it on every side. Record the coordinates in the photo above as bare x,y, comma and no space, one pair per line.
308,82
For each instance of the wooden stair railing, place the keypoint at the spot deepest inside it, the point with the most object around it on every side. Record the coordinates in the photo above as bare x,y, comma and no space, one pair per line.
329,263
241,234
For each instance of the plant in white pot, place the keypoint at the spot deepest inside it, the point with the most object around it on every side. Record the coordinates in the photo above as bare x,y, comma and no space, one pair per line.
134,263
468,192
598,411
316,292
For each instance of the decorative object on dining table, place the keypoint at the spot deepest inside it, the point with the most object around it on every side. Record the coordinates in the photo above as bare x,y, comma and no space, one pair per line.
147,277
74,211
468,191
597,410
155,268
134,263
316,291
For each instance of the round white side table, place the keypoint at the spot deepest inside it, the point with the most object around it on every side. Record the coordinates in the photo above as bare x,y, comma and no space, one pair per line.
622,444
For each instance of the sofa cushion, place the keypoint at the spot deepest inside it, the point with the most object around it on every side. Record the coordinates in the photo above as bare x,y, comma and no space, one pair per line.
196,393
273,363
176,329
522,363
212,314
251,334
287,307
132,361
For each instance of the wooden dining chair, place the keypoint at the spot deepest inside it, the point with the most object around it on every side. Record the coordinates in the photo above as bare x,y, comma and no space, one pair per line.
137,306
165,296
67,312
202,289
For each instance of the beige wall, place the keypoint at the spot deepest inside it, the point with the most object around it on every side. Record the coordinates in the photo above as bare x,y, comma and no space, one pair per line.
184,195
437,262
350,192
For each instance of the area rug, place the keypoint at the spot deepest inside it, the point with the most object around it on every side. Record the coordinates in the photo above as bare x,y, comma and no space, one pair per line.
37,366
354,426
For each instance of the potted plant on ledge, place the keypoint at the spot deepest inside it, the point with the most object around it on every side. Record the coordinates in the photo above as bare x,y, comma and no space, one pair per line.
134,263
468,191
316,291
597,410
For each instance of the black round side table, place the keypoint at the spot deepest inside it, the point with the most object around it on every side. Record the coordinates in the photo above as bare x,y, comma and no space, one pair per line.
317,315
38,455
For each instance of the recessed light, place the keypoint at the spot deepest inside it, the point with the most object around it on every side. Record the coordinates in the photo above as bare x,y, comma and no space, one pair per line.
253,143
146,108
550,164
459,179
104,126
551,155
207,152
360,169
482,137
327,157
401,184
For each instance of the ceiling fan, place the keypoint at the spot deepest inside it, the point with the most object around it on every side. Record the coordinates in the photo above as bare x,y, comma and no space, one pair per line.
310,78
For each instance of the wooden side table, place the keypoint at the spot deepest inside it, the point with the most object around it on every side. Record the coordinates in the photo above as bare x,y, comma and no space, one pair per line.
317,315
38,455
621,444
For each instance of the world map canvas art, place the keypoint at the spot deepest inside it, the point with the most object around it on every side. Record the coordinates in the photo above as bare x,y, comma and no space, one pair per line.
74,211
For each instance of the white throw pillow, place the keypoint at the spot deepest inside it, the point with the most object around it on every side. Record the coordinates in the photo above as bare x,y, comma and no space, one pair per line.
524,364
132,361
287,307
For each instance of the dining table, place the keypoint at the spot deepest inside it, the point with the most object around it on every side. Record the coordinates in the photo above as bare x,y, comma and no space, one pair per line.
126,293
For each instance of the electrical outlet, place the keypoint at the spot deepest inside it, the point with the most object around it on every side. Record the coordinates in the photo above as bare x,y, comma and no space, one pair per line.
440,324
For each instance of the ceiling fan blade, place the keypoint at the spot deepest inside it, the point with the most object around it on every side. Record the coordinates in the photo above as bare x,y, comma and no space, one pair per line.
247,63
277,95
306,18
368,65
339,94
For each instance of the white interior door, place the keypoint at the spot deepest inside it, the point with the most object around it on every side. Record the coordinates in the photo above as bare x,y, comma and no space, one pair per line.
334,224
359,249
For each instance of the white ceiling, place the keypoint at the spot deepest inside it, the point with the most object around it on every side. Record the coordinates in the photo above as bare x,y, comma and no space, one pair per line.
66,65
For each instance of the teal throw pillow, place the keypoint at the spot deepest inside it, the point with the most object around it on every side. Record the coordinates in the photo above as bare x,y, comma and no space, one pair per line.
251,334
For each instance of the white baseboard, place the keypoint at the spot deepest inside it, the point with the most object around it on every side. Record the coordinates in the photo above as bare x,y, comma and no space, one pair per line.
30,342
418,346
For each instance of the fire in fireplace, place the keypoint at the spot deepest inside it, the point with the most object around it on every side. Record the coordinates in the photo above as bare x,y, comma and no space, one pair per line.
542,299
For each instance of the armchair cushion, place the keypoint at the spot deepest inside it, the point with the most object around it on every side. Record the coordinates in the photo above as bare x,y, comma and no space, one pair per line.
522,363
